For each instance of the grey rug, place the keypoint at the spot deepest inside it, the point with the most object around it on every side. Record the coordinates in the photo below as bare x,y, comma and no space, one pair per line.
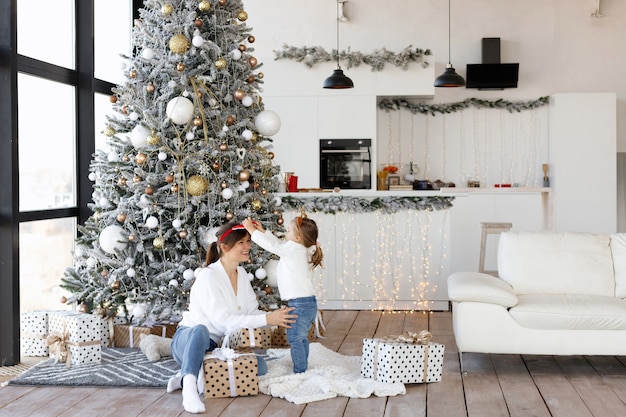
121,367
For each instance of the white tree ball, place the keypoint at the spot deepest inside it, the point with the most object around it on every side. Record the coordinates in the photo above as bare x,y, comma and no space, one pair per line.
190,136
176,224
144,201
173,283
247,101
278,201
179,110
152,222
139,136
267,123
235,54
139,311
245,184
147,53
250,276
103,202
162,156
130,272
92,176
260,273
188,274
247,134
134,116
227,193
171,83
212,102
79,251
271,267
112,239
197,41
91,262
113,156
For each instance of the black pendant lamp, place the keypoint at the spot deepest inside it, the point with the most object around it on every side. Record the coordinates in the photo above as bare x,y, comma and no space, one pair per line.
338,79
449,78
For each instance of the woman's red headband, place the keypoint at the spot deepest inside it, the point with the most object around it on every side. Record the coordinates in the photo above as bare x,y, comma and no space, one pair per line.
235,227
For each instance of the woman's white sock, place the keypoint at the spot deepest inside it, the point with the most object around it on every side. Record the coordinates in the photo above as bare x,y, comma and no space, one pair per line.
174,383
191,400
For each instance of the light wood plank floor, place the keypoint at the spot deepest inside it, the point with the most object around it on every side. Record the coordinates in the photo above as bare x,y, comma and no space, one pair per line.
495,385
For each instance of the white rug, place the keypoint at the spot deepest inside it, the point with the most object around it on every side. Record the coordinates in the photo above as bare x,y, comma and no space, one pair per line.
329,375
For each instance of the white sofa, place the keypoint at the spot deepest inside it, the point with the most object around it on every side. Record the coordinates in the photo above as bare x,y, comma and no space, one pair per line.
558,293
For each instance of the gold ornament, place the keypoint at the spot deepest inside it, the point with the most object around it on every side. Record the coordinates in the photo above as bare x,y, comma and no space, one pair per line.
122,182
280,221
197,185
251,39
169,178
222,2
180,66
250,79
104,273
132,74
252,61
149,190
244,175
113,98
224,185
82,307
109,131
63,299
242,47
197,121
271,155
124,109
264,191
261,75
268,289
216,166
223,147
126,158
256,205
179,44
242,15
230,120
239,94
141,158
121,217
198,23
115,285
137,179
229,215
167,9
182,234
220,64
150,88
174,188
131,238
153,139
204,6
158,242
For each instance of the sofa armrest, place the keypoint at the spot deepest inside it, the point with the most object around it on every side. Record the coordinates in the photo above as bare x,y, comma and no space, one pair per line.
481,288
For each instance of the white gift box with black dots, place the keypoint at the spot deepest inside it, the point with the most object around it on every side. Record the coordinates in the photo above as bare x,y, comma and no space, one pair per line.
407,363
33,332
81,335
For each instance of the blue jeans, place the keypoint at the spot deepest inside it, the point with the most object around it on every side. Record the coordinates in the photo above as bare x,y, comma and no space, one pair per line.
297,335
189,345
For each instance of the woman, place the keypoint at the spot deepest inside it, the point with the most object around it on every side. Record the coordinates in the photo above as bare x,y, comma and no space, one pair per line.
221,299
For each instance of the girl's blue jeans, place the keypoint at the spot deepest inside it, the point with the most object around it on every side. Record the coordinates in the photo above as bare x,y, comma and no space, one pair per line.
189,346
297,335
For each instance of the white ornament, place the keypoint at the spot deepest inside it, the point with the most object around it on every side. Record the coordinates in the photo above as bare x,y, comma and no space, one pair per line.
103,202
176,224
91,262
152,222
171,83
235,54
212,102
247,101
267,123
113,156
139,311
130,272
162,156
227,193
112,239
197,41
250,276
247,134
190,136
271,268
188,274
278,201
139,136
186,93
260,273
79,252
147,53
144,201
134,116
179,110
92,176
173,283
130,261
245,184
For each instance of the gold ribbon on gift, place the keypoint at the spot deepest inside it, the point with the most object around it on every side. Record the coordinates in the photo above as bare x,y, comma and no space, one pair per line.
58,343
422,338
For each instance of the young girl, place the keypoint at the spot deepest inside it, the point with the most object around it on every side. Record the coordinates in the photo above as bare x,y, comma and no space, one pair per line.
299,254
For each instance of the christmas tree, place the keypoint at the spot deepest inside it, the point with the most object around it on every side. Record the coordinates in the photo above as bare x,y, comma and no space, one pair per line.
189,149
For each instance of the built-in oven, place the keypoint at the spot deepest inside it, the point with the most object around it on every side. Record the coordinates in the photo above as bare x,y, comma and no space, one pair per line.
346,163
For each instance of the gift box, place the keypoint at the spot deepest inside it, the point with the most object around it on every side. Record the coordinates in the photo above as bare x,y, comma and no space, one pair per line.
259,338
74,338
228,373
33,332
391,360
127,335
279,335
107,329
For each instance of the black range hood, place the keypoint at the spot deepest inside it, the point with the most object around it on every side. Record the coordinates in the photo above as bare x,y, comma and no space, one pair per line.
491,74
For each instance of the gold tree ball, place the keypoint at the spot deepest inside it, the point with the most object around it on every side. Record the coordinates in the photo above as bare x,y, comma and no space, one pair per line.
149,190
220,64
153,139
239,94
204,6
63,299
141,158
113,98
252,61
158,242
198,22
109,131
223,147
280,221
251,39
222,2
197,121
180,66
121,217
256,205
229,215
197,185
150,88
174,188
82,307
242,15
242,47
131,238
183,234
169,178
122,182
115,285
167,9
137,179
179,44
244,175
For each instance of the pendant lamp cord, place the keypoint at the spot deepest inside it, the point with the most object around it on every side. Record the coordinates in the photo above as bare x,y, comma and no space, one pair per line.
337,32
449,34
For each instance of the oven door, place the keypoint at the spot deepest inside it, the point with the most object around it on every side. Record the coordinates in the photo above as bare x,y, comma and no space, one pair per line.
347,169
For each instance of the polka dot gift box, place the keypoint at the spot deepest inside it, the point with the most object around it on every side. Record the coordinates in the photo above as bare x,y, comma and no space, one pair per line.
259,338
33,332
74,337
409,358
228,373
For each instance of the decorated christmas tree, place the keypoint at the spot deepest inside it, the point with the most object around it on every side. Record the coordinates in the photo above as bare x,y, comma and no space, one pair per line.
189,148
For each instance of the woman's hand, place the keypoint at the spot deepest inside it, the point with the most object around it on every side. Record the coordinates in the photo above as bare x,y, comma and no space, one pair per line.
281,317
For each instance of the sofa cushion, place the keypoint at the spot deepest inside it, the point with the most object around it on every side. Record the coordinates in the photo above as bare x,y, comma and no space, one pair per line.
481,288
618,249
556,263
570,312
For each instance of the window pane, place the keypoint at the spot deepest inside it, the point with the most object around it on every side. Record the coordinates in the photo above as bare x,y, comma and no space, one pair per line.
102,108
46,126
111,39
45,31
45,252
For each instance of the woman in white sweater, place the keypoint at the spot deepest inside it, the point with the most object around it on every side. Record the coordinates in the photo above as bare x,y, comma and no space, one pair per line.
221,299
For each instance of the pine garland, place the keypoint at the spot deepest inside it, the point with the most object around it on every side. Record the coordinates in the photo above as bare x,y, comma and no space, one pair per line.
344,204
423,108
311,55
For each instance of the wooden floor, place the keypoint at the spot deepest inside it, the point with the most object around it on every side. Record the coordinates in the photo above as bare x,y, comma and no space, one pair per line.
495,385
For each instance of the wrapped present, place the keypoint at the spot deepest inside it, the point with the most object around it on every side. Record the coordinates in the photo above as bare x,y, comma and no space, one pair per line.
107,329
33,332
259,338
127,335
74,338
228,373
279,335
408,358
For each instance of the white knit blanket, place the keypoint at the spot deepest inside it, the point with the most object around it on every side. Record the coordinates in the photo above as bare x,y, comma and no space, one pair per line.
329,375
